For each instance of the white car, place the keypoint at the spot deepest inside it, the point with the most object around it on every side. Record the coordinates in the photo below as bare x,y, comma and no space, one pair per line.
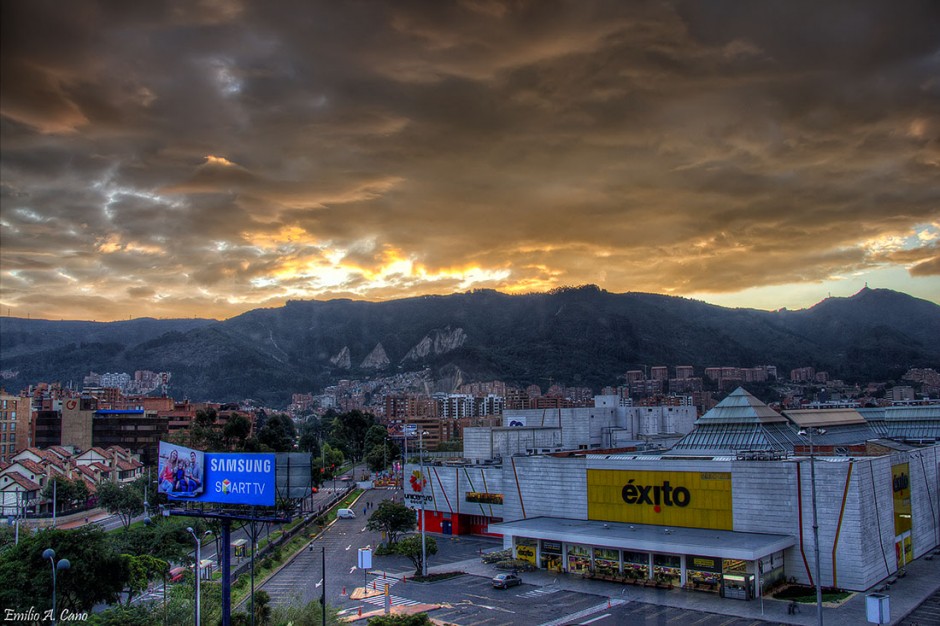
346,514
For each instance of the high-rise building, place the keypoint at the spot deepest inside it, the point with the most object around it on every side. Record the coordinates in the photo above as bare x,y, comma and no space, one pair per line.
14,425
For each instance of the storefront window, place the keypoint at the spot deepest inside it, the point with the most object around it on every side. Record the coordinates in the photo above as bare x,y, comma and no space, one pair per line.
551,556
636,564
736,582
606,561
579,559
703,572
667,568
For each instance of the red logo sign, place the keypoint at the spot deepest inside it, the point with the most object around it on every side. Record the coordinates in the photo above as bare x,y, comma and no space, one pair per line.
417,481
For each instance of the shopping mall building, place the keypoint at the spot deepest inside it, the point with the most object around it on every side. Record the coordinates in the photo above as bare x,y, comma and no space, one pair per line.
727,507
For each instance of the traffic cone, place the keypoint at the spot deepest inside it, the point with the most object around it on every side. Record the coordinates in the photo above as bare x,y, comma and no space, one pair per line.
404,579
608,603
344,591
360,611
373,586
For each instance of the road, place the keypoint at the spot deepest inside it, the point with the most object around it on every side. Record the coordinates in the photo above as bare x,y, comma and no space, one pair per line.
312,504
301,581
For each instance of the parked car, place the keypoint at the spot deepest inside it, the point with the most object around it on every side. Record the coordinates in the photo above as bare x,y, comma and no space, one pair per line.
176,574
505,581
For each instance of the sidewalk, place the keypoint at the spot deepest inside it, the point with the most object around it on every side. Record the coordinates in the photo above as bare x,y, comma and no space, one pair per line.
922,580
93,516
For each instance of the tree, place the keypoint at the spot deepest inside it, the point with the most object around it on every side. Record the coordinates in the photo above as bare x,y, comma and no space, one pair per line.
278,433
393,519
311,435
164,538
120,615
410,548
126,500
380,456
375,436
63,489
140,571
348,431
236,430
334,460
204,431
262,610
95,575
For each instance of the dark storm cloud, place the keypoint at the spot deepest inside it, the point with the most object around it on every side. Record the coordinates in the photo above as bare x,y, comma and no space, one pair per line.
207,157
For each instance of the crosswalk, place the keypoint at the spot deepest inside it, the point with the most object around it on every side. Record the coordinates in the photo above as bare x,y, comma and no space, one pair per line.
395,600
380,581
541,591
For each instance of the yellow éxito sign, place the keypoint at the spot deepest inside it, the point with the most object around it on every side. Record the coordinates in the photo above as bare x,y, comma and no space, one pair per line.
687,499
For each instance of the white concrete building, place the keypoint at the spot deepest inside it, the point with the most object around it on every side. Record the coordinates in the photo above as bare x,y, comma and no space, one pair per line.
729,510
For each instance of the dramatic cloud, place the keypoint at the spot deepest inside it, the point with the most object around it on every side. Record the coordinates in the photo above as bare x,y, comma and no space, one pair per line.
202,158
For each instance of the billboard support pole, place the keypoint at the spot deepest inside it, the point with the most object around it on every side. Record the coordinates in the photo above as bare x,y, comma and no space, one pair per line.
254,540
226,572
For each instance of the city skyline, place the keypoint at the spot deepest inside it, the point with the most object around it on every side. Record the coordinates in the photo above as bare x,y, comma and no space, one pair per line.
202,159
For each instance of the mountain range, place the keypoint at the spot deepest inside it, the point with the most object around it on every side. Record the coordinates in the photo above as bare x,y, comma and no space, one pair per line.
581,336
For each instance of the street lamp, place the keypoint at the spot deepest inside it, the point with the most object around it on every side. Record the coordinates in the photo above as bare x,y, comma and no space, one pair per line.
63,564
424,557
198,568
812,430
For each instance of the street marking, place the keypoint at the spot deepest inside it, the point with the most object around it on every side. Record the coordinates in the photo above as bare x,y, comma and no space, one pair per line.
395,601
486,606
599,617
348,547
320,583
352,569
542,591
588,611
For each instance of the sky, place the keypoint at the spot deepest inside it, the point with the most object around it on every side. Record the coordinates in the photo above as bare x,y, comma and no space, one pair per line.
201,158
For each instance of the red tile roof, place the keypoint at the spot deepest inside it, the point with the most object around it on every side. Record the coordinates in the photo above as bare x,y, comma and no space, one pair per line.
63,453
85,471
32,466
125,466
23,482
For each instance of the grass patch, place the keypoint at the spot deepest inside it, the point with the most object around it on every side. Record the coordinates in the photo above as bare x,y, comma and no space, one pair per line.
433,578
807,595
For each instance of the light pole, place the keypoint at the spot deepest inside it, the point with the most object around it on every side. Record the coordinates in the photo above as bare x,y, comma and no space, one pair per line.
424,557
812,472
198,568
63,564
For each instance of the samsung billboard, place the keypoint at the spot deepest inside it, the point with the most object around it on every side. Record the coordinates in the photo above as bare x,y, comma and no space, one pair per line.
217,477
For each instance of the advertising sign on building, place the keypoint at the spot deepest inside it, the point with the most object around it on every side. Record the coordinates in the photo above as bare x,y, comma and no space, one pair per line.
223,478
484,498
416,490
901,490
687,499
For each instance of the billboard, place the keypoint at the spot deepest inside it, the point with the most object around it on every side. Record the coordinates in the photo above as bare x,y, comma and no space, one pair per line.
181,471
223,478
687,499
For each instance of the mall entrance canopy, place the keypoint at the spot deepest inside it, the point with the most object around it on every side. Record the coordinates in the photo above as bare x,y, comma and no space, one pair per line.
725,544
